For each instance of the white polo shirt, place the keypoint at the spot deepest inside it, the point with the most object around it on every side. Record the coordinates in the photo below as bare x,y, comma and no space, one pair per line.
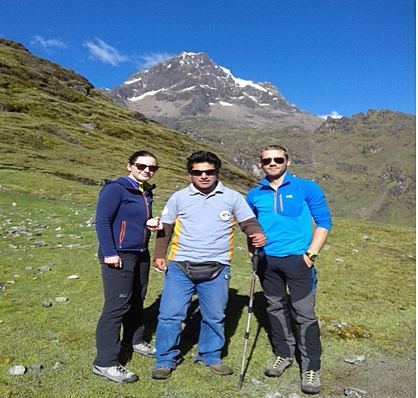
204,224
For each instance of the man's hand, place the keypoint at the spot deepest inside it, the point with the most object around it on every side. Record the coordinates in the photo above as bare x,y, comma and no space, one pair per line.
114,261
308,261
258,240
159,263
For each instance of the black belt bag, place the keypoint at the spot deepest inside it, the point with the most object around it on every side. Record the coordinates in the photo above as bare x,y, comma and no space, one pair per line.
200,272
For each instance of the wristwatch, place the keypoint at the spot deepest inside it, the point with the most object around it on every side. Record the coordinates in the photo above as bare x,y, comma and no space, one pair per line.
311,256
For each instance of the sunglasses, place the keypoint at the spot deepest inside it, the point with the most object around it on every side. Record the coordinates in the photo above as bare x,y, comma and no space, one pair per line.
198,173
267,161
142,167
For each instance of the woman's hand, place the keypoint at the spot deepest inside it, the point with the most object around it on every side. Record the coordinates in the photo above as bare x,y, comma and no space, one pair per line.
154,224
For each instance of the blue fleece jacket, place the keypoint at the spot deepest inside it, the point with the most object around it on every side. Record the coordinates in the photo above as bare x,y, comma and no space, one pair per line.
286,214
121,215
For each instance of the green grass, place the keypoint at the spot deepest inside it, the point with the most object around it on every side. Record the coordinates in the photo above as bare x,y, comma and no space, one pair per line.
60,138
372,290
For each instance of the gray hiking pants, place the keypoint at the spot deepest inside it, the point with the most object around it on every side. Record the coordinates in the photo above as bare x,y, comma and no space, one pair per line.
289,287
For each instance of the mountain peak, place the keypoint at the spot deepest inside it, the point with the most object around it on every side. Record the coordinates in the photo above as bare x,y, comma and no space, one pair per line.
190,87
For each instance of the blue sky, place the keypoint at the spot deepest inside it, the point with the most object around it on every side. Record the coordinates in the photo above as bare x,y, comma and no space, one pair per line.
323,56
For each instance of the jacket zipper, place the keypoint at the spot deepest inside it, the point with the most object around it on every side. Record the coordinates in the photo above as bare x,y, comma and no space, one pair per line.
122,233
147,215
280,202
275,202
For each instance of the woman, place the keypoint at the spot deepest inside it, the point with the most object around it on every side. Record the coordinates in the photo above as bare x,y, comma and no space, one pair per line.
123,209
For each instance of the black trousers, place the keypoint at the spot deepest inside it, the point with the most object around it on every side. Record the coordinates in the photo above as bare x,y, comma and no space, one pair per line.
124,293
289,287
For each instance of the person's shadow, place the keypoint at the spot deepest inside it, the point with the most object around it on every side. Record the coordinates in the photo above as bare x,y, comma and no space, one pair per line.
237,304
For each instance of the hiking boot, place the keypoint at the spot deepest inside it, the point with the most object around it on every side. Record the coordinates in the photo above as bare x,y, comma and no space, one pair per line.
116,373
310,382
277,367
218,368
221,369
161,373
145,349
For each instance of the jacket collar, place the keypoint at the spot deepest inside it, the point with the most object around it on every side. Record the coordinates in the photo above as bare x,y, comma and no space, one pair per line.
286,180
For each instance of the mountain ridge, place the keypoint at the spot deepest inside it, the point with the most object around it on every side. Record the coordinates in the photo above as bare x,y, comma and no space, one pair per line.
61,137
190,87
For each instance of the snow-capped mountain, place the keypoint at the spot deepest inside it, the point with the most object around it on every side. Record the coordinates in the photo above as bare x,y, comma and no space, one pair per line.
190,88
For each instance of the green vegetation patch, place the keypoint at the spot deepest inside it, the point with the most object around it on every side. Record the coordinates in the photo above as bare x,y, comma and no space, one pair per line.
365,302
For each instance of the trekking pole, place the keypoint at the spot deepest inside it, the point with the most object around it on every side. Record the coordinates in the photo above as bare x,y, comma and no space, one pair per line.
254,260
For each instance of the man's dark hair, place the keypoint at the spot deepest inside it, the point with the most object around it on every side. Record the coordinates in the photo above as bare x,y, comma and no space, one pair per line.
203,157
137,154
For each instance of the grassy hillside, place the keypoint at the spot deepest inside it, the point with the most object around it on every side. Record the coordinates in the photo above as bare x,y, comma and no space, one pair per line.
60,137
365,164
365,301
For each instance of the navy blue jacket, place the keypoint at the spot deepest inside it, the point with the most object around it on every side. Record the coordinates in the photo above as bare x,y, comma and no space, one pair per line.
121,215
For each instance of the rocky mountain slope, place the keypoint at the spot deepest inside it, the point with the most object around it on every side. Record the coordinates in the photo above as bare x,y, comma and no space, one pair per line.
190,89
61,137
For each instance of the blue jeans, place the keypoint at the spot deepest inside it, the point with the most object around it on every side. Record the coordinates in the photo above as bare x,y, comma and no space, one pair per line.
175,300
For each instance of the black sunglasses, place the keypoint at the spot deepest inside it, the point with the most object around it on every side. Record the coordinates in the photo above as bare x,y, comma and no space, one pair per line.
198,173
141,167
267,161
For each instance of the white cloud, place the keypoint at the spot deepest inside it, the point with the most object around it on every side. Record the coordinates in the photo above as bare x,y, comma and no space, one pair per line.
333,114
48,43
153,58
105,53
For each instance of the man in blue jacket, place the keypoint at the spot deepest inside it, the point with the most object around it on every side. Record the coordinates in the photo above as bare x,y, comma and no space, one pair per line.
285,206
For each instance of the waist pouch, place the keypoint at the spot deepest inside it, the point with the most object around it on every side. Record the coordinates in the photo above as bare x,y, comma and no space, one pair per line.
200,272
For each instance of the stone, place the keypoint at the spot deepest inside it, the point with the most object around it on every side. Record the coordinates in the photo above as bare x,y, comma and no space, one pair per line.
258,383
58,366
16,370
273,394
61,299
354,392
39,243
355,359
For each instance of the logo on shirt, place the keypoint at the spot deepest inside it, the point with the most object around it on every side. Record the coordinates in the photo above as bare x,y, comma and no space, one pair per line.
225,215
289,196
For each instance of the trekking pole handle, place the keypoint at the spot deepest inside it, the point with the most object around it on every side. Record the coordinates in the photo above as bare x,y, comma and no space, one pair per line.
255,258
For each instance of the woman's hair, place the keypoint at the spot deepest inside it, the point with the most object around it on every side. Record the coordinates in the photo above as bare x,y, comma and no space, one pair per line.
137,154
203,157
275,148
